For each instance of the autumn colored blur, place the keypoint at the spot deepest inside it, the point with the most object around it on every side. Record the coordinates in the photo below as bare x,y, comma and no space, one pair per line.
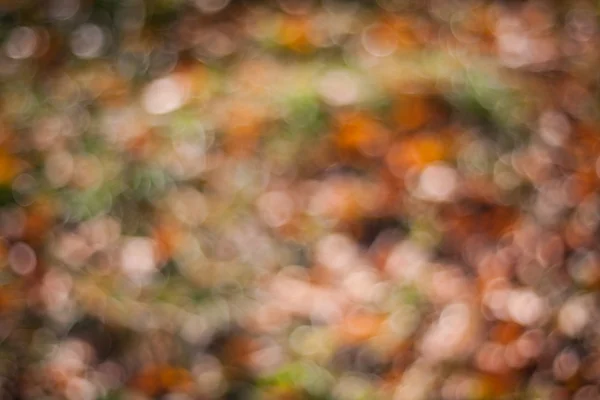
296,199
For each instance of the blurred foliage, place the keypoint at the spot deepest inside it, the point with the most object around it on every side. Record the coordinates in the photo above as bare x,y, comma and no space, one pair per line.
215,199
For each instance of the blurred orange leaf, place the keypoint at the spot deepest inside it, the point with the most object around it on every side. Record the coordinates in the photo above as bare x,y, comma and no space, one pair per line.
10,167
158,379
360,327
359,133
415,152
293,34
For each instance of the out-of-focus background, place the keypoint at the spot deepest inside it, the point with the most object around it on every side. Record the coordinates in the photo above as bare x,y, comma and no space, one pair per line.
214,199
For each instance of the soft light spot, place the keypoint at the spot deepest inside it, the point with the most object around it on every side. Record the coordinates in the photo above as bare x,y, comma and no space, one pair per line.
574,315
490,357
88,41
437,182
416,382
189,206
63,9
339,88
275,208
525,307
379,40
530,343
195,329
407,262
211,6
554,128
138,260
565,364
58,168
361,284
336,251
448,337
163,96
55,289
496,299
22,258
21,43
80,389
208,372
